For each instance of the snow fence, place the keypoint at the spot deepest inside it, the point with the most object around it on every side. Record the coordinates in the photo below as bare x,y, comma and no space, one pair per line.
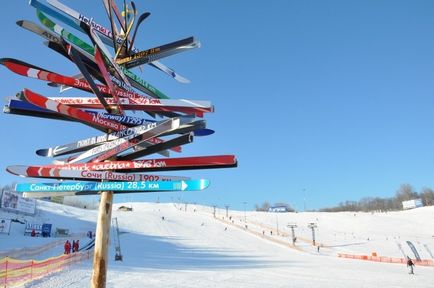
27,252
386,259
15,272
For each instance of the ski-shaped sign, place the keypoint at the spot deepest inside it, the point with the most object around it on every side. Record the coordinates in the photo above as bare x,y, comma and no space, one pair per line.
77,114
161,164
18,107
137,186
107,37
55,173
131,100
104,51
149,55
153,105
119,145
88,52
74,54
68,111
24,108
145,149
32,27
90,142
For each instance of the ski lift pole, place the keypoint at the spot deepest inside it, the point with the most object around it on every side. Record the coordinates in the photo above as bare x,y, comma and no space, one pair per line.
118,255
293,226
312,226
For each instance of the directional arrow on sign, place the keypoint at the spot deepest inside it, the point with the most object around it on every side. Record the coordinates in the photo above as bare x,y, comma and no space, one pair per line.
136,186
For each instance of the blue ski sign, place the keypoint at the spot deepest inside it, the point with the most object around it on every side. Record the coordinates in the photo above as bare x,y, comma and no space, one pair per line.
139,186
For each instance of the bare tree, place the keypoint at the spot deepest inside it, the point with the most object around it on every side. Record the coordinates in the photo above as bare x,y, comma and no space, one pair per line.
264,207
404,193
427,196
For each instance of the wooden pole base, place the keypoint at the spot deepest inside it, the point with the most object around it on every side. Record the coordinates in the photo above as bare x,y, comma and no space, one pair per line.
100,258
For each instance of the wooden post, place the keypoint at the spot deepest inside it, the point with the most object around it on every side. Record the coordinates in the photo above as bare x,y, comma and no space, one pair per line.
100,257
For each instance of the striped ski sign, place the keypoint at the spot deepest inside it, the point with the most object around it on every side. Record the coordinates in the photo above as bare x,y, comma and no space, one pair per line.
77,114
137,186
24,108
55,173
161,164
75,23
150,105
134,100
18,107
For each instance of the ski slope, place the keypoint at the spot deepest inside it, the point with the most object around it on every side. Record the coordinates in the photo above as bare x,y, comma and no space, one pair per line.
195,249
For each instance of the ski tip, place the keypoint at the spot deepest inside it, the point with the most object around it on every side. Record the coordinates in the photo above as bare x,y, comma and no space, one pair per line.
180,79
203,132
52,84
16,170
20,23
42,152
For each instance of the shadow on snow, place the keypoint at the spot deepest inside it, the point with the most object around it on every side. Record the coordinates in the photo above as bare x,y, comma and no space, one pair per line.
163,253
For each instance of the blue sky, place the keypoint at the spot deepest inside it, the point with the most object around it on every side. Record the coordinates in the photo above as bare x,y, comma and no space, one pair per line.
321,101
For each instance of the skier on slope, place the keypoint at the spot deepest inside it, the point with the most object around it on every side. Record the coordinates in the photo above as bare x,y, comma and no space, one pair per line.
410,264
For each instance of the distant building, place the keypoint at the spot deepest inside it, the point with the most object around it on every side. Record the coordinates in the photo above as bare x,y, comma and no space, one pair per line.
125,208
278,209
411,204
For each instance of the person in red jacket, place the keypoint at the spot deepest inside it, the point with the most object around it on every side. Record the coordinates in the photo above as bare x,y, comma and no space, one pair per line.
67,247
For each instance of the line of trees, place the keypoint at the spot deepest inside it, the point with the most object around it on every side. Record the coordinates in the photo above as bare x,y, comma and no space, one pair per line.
404,193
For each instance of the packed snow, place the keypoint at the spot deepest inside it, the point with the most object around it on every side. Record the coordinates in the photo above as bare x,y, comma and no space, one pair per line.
178,245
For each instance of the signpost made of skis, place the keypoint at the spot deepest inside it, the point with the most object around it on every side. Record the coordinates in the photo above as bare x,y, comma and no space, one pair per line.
115,162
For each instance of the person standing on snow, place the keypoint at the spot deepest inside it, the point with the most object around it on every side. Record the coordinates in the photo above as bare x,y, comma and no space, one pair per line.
67,247
410,264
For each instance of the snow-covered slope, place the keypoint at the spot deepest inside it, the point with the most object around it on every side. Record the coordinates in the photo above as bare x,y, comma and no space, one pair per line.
193,249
